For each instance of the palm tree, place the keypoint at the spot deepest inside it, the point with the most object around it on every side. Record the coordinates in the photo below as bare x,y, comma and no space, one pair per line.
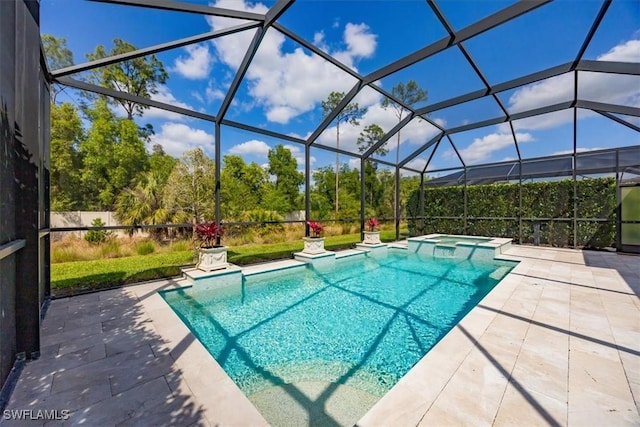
142,205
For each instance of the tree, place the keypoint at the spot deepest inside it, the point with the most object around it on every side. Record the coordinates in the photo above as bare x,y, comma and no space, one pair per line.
143,204
408,95
58,56
161,164
408,185
66,135
139,76
349,114
190,190
370,136
114,157
323,194
242,186
284,167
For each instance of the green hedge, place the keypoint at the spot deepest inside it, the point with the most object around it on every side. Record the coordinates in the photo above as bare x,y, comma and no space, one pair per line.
596,198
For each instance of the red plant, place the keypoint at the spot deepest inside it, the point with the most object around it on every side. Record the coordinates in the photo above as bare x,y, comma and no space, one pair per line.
373,223
208,233
316,228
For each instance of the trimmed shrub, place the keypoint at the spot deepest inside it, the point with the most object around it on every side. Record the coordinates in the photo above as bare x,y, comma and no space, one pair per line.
554,200
97,236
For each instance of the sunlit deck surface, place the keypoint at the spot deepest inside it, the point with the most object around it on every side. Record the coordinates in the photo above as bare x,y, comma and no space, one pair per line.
556,342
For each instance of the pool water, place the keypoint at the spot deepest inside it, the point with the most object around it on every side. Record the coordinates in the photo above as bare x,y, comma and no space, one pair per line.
363,324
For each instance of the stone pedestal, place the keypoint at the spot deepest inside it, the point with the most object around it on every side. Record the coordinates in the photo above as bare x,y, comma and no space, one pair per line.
371,238
313,245
210,259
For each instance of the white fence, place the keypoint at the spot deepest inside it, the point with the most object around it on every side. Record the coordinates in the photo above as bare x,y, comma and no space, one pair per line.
83,219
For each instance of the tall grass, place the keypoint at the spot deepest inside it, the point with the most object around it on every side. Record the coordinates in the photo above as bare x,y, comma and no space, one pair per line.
71,248
145,248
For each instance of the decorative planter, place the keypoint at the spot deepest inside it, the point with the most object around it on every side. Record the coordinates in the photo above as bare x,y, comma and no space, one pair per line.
371,238
212,258
313,245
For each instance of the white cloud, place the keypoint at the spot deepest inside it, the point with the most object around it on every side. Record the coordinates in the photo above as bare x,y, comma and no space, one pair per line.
482,148
288,84
197,64
198,97
164,95
547,92
253,147
213,94
318,40
625,52
360,42
177,138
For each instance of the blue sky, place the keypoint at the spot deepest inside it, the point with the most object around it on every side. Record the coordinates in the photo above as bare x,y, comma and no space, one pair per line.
286,83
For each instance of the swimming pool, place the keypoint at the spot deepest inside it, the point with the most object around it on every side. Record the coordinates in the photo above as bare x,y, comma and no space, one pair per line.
362,324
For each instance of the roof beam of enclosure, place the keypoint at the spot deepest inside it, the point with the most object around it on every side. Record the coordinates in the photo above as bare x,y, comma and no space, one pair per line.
261,131
411,170
420,150
479,27
476,125
515,140
464,165
431,155
68,81
188,8
385,138
592,31
630,68
242,70
610,108
152,50
619,120
274,13
542,110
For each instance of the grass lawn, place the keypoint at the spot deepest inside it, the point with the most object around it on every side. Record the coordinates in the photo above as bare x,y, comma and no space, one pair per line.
68,278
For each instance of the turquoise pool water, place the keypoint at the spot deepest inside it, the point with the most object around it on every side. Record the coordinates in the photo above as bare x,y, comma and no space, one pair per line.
363,324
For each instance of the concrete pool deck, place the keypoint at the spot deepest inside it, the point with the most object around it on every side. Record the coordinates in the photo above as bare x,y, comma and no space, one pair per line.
556,342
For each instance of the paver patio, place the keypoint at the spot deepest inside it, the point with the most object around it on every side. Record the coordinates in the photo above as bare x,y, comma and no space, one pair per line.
556,342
